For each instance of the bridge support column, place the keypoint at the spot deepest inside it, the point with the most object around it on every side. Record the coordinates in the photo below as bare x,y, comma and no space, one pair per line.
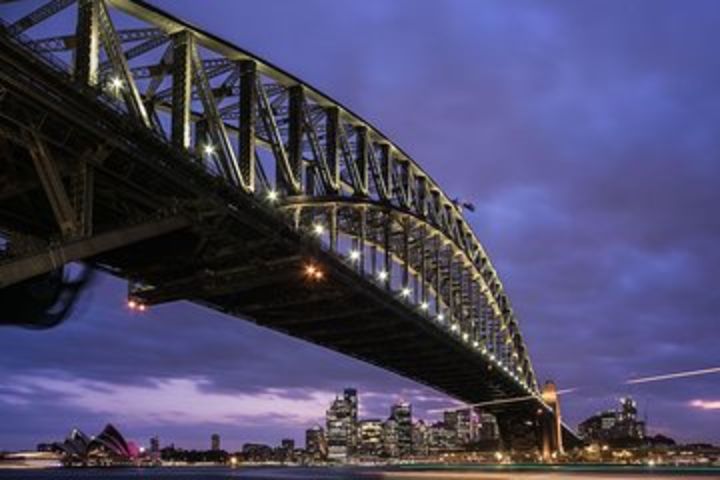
552,424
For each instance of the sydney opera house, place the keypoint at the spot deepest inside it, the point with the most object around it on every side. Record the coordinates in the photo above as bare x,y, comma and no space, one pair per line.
107,448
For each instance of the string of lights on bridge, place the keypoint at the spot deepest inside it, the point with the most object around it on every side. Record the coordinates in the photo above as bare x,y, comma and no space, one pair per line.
314,273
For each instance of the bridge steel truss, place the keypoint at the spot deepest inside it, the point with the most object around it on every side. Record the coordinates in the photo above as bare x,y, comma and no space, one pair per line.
336,181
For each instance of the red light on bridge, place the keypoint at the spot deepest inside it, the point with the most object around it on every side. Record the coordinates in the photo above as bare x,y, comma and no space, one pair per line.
136,306
314,272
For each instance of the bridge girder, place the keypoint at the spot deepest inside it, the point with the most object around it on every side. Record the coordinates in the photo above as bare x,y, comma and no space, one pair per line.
259,137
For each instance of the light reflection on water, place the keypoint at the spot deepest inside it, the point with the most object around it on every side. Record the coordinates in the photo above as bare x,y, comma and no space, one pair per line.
219,473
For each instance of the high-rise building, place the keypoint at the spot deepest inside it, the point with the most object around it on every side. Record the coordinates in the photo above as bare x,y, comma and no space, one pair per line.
351,398
286,452
287,444
154,444
463,425
487,428
401,413
618,426
420,438
341,422
215,442
316,446
390,438
370,437
441,438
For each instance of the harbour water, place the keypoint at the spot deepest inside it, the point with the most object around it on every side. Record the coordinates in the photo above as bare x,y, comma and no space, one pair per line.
397,473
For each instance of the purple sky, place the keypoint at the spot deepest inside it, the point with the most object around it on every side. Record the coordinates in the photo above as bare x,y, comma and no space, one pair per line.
586,133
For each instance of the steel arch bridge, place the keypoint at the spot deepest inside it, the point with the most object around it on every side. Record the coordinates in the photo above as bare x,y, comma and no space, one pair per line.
144,146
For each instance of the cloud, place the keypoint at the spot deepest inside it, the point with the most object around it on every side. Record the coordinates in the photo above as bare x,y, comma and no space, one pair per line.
178,401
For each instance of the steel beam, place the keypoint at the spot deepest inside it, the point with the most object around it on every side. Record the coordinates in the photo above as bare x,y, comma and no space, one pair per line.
296,127
56,256
113,49
87,52
38,15
246,120
51,180
332,124
181,89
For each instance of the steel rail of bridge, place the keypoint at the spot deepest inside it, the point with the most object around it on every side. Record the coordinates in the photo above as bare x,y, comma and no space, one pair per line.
199,171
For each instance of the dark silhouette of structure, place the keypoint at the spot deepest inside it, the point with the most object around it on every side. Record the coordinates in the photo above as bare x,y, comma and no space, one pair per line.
198,171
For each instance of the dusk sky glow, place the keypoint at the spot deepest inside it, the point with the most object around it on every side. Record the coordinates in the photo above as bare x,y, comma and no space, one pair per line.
585,133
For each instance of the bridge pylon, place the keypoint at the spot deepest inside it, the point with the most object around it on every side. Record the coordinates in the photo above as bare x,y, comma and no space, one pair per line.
552,440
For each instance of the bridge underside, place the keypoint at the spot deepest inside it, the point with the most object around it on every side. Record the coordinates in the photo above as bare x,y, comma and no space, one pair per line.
176,233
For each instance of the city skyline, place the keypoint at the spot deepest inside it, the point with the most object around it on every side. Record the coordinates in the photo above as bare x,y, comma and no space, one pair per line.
592,178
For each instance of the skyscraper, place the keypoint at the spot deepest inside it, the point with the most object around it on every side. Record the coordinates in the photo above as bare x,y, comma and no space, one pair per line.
401,413
338,419
154,444
370,437
316,443
215,442
351,398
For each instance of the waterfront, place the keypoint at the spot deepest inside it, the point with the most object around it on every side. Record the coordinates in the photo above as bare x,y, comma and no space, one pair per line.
399,473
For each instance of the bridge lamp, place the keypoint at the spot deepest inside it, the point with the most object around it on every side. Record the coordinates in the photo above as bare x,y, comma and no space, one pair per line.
209,149
115,84
424,306
272,195
454,327
440,317
318,229
382,275
476,344
354,255
132,304
405,292
465,336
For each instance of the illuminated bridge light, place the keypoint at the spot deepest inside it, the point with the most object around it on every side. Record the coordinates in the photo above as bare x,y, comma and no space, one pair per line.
424,306
475,344
318,229
115,84
465,336
405,292
454,327
354,255
440,317
208,149
314,272
273,196
382,275
136,306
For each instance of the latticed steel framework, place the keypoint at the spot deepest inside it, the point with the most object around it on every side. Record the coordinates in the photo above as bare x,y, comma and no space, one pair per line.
257,128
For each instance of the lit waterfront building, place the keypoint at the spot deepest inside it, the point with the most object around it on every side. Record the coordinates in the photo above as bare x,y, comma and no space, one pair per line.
351,398
401,413
316,446
441,438
488,429
420,438
370,437
215,442
155,444
390,438
339,424
614,426
287,450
